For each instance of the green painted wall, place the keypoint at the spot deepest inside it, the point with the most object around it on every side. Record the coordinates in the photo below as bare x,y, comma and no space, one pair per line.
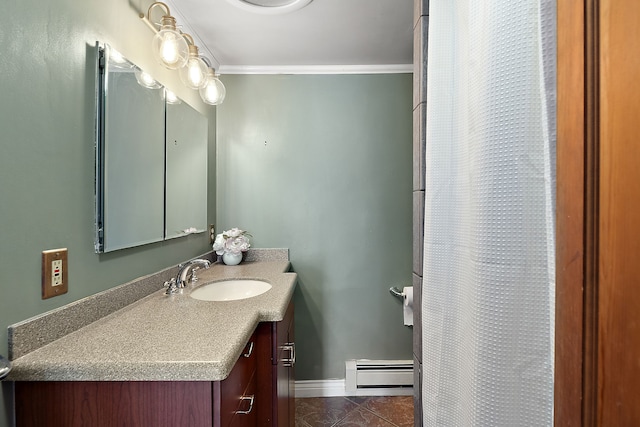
47,160
323,165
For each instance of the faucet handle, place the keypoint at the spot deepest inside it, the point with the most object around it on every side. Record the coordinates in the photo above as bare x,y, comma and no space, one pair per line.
194,278
171,286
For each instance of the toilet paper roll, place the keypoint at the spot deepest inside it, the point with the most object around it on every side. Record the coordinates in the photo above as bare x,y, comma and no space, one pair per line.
407,306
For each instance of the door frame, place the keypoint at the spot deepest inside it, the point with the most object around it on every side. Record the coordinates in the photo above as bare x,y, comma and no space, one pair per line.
575,390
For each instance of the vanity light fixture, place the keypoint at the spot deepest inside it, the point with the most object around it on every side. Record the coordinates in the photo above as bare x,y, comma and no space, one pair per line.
177,51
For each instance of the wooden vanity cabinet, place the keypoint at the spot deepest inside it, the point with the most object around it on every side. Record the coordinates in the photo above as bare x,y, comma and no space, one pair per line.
259,391
271,385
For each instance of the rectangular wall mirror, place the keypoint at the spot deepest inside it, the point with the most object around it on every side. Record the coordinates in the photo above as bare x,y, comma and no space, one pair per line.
151,159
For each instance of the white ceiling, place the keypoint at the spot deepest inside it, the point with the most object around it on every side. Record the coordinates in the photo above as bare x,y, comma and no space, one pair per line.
325,36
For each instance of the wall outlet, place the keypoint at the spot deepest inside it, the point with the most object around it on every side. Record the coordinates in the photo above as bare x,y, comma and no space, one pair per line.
54,273
212,234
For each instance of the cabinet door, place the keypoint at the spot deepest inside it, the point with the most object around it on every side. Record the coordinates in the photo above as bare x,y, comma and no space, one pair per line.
284,370
117,403
265,372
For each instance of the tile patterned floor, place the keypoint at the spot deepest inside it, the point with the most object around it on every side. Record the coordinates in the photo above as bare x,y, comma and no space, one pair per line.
386,411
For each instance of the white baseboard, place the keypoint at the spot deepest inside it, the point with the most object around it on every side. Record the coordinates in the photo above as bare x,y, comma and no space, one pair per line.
320,388
333,388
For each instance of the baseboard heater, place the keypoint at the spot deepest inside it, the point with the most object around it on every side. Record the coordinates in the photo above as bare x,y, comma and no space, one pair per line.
376,377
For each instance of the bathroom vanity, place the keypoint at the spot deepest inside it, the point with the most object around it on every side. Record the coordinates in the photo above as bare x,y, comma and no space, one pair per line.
171,360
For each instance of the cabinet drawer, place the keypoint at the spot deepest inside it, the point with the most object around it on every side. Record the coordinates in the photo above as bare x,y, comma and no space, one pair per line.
246,413
230,391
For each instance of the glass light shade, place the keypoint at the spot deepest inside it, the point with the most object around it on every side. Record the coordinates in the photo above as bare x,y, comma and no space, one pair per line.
116,57
145,80
116,60
213,92
171,98
194,73
168,46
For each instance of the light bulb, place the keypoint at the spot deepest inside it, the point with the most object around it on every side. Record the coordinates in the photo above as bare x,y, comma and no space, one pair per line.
169,49
117,61
147,79
195,74
116,57
213,92
171,97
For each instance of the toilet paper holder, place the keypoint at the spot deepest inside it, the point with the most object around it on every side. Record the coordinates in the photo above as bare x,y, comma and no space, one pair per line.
396,292
406,296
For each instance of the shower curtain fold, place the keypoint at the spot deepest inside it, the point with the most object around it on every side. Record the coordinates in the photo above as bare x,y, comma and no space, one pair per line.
489,250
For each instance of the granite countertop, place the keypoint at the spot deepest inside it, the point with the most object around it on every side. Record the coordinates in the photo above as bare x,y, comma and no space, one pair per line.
165,338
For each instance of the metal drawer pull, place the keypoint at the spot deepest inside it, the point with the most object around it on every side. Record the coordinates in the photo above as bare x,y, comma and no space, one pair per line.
248,353
5,367
291,347
250,399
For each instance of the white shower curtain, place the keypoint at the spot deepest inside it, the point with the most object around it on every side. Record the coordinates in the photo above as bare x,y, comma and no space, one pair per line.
489,278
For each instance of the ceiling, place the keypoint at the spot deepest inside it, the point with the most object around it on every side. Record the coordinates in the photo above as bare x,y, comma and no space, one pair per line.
325,36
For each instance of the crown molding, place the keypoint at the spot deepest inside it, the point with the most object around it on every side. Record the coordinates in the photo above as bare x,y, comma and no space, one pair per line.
316,69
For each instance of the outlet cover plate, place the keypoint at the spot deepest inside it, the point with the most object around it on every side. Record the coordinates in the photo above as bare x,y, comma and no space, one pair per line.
51,277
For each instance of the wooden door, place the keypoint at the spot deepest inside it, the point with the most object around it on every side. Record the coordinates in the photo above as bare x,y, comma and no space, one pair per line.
618,357
598,228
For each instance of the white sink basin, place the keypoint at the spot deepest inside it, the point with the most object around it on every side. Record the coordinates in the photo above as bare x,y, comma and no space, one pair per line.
230,290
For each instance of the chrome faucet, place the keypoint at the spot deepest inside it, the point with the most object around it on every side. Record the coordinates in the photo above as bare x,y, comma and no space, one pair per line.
183,271
180,281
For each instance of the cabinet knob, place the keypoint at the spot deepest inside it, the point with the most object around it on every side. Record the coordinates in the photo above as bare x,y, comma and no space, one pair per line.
291,360
245,398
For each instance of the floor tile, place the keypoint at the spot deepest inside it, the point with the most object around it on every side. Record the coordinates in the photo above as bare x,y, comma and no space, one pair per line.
323,411
358,399
373,411
395,409
363,418
300,423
